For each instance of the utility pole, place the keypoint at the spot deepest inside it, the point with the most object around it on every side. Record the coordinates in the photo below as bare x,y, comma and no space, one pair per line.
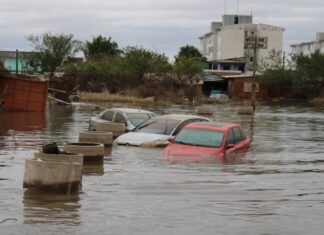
255,48
255,42
283,60
16,61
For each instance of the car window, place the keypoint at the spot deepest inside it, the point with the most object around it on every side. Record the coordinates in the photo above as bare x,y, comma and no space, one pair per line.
243,134
108,115
157,126
230,137
200,137
151,115
237,134
138,118
120,118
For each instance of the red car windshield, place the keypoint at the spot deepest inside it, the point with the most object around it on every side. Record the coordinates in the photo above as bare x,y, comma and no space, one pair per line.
200,137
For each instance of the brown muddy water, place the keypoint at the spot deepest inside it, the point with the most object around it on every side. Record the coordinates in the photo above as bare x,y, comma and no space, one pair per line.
277,187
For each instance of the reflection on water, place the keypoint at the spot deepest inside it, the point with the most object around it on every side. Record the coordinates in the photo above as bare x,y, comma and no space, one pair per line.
21,121
44,208
21,129
234,158
93,169
275,187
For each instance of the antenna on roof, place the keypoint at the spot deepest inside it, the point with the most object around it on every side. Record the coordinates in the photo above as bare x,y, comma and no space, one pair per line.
237,7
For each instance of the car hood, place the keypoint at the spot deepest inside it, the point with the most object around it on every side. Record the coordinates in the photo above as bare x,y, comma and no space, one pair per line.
142,139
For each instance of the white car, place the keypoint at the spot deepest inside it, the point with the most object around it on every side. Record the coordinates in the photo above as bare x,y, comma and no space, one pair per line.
130,117
155,132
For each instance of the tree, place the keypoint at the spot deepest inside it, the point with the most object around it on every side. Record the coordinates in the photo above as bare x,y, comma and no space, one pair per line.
139,61
189,52
53,50
305,79
273,61
309,75
101,46
187,67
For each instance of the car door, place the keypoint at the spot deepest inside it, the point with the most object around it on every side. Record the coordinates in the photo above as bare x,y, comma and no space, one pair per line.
119,118
245,143
239,138
230,141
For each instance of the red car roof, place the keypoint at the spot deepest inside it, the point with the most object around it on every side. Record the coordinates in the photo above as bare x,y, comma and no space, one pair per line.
219,126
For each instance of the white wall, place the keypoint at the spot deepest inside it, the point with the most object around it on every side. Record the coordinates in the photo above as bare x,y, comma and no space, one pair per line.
274,40
231,44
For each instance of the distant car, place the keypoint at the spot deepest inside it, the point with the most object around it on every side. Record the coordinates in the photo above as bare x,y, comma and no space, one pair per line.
220,97
130,117
207,139
155,132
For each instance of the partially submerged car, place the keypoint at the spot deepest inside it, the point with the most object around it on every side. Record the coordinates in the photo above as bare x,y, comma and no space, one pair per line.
130,117
207,139
155,132
219,97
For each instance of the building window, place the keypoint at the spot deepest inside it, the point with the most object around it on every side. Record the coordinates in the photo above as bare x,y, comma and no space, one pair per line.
226,67
236,20
251,59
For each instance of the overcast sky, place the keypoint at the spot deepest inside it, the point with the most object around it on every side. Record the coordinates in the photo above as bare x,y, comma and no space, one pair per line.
159,25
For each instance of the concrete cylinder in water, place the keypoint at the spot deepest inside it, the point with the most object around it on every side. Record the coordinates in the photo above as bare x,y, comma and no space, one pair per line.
102,137
50,176
116,128
62,157
92,152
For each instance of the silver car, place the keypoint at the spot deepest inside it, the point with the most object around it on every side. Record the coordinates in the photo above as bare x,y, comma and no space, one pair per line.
130,117
155,132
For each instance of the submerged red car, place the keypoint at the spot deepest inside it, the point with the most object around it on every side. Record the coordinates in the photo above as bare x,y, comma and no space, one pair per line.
207,139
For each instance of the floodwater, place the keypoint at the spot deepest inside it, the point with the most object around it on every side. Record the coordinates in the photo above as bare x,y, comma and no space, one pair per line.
277,187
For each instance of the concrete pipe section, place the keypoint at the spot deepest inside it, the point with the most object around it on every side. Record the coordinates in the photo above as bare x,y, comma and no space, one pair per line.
92,152
102,137
245,110
116,128
205,110
62,157
50,176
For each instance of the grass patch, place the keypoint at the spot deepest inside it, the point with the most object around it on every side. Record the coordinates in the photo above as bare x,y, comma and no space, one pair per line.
107,97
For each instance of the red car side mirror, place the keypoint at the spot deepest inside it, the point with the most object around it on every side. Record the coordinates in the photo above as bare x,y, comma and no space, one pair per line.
230,146
170,139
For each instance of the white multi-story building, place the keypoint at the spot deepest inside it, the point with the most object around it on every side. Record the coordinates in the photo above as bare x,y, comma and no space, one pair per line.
308,48
229,44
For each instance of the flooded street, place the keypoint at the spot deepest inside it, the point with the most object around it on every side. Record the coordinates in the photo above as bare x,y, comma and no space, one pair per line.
276,187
